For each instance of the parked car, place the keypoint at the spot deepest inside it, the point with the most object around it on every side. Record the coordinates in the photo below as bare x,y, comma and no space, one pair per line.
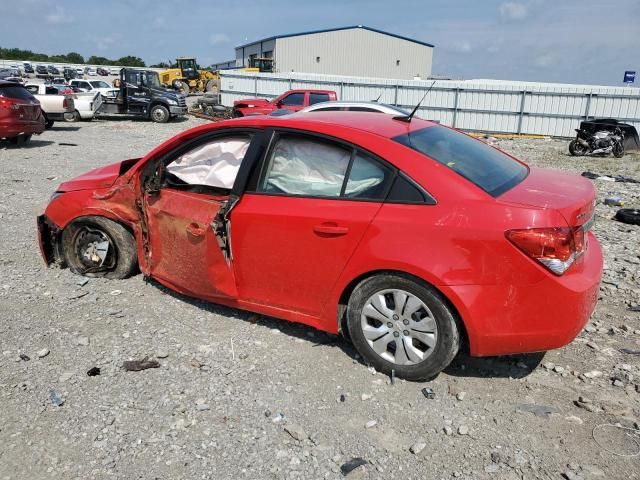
42,71
114,71
410,236
20,114
79,72
58,80
69,73
28,68
95,86
103,72
293,100
91,72
52,70
54,105
345,106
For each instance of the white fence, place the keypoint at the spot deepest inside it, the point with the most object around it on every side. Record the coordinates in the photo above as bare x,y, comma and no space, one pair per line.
473,105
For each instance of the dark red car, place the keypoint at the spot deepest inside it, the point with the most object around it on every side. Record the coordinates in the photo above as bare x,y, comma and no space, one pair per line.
410,236
293,100
20,113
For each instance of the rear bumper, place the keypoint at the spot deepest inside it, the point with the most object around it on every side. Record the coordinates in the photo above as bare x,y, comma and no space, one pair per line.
509,319
9,130
57,116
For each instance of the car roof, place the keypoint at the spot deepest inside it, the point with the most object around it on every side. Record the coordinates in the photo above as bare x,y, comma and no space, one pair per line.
381,107
383,125
4,83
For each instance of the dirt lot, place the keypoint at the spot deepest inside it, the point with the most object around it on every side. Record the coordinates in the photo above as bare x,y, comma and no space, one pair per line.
243,396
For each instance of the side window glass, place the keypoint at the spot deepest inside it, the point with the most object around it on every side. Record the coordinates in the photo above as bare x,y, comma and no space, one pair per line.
361,109
318,98
32,89
368,179
213,164
295,99
405,191
297,165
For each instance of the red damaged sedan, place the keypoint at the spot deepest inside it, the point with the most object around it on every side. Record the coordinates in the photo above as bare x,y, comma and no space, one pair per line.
409,236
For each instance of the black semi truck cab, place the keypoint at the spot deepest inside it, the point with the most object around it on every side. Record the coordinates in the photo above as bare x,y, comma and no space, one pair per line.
141,94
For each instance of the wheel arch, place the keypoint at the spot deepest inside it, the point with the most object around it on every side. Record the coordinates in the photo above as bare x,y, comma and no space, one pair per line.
343,300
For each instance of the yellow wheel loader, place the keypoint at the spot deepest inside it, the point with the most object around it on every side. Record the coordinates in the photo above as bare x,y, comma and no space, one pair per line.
187,78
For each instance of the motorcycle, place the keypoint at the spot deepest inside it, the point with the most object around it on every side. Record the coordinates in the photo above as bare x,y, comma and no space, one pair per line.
601,142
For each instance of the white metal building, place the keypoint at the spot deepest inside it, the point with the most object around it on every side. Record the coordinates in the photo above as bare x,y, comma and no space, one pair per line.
355,50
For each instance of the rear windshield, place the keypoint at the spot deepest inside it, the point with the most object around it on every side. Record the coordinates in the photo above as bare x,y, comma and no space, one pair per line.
15,92
486,167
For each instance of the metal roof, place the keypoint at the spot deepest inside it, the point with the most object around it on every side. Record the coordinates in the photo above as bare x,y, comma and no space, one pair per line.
310,32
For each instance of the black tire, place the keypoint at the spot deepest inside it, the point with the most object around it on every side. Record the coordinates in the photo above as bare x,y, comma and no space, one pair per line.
628,215
448,335
183,87
237,114
121,258
72,116
618,150
159,114
48,123
210,86
577,149
20,140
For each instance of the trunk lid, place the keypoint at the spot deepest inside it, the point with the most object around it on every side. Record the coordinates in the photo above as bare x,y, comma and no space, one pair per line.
571,195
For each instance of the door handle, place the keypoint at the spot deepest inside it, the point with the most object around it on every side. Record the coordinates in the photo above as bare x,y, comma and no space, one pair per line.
329,228
195,230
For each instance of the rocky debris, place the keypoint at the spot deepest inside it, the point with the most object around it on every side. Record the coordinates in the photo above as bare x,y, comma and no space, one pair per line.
537,410
43,353
417,447
463,430
82,341
296,431
55,398
371,424
139,365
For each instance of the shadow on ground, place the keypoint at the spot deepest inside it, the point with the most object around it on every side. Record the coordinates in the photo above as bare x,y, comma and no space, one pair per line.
513,366
33,143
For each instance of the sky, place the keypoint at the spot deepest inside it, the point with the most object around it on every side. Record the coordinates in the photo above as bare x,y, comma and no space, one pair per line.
567,41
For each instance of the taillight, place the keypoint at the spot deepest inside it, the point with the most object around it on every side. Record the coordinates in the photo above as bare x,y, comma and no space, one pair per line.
65,103
555,248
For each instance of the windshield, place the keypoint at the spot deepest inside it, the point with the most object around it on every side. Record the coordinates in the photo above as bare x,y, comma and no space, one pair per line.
99,84
485,166
150,79
9,91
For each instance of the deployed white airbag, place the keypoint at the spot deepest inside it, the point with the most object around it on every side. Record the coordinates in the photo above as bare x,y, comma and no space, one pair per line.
304,167
214,164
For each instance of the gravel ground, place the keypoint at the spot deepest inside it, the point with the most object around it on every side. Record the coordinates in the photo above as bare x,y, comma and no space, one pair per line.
239,395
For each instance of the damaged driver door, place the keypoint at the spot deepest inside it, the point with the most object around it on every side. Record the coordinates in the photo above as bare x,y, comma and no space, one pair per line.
182,200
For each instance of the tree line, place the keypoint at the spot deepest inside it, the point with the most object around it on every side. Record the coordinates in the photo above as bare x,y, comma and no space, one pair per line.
72,57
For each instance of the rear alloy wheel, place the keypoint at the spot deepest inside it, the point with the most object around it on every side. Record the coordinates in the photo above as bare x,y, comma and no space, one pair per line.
399,324
72,116
577,149
99,247
160,114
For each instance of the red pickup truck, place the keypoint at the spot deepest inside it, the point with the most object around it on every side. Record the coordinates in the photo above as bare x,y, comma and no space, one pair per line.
293,100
